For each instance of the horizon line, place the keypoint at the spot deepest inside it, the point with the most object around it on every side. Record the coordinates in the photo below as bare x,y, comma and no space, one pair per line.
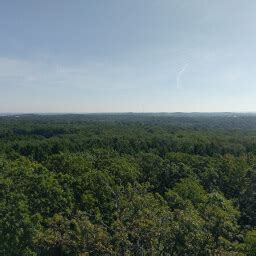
127,112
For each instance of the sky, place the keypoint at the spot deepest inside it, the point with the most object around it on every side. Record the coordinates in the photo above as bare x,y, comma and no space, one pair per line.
127,56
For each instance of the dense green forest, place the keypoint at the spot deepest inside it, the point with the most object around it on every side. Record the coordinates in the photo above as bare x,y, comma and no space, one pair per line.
128,184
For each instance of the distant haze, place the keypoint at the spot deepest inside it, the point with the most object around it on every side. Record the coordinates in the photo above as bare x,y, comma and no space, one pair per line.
127,56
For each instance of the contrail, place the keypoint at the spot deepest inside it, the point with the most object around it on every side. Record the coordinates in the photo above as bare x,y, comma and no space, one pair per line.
180,74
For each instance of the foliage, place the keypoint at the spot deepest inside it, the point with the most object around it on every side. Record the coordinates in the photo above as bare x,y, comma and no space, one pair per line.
131,184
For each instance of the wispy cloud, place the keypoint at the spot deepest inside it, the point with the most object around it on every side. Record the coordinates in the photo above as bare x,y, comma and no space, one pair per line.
178,79
126,74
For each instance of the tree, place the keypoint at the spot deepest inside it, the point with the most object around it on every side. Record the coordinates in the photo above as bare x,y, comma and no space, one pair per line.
74,235
250,242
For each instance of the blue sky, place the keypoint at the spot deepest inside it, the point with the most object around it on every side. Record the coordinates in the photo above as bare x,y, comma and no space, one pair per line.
127,55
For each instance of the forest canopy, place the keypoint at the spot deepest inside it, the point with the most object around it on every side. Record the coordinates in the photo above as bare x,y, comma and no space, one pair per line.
128,184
